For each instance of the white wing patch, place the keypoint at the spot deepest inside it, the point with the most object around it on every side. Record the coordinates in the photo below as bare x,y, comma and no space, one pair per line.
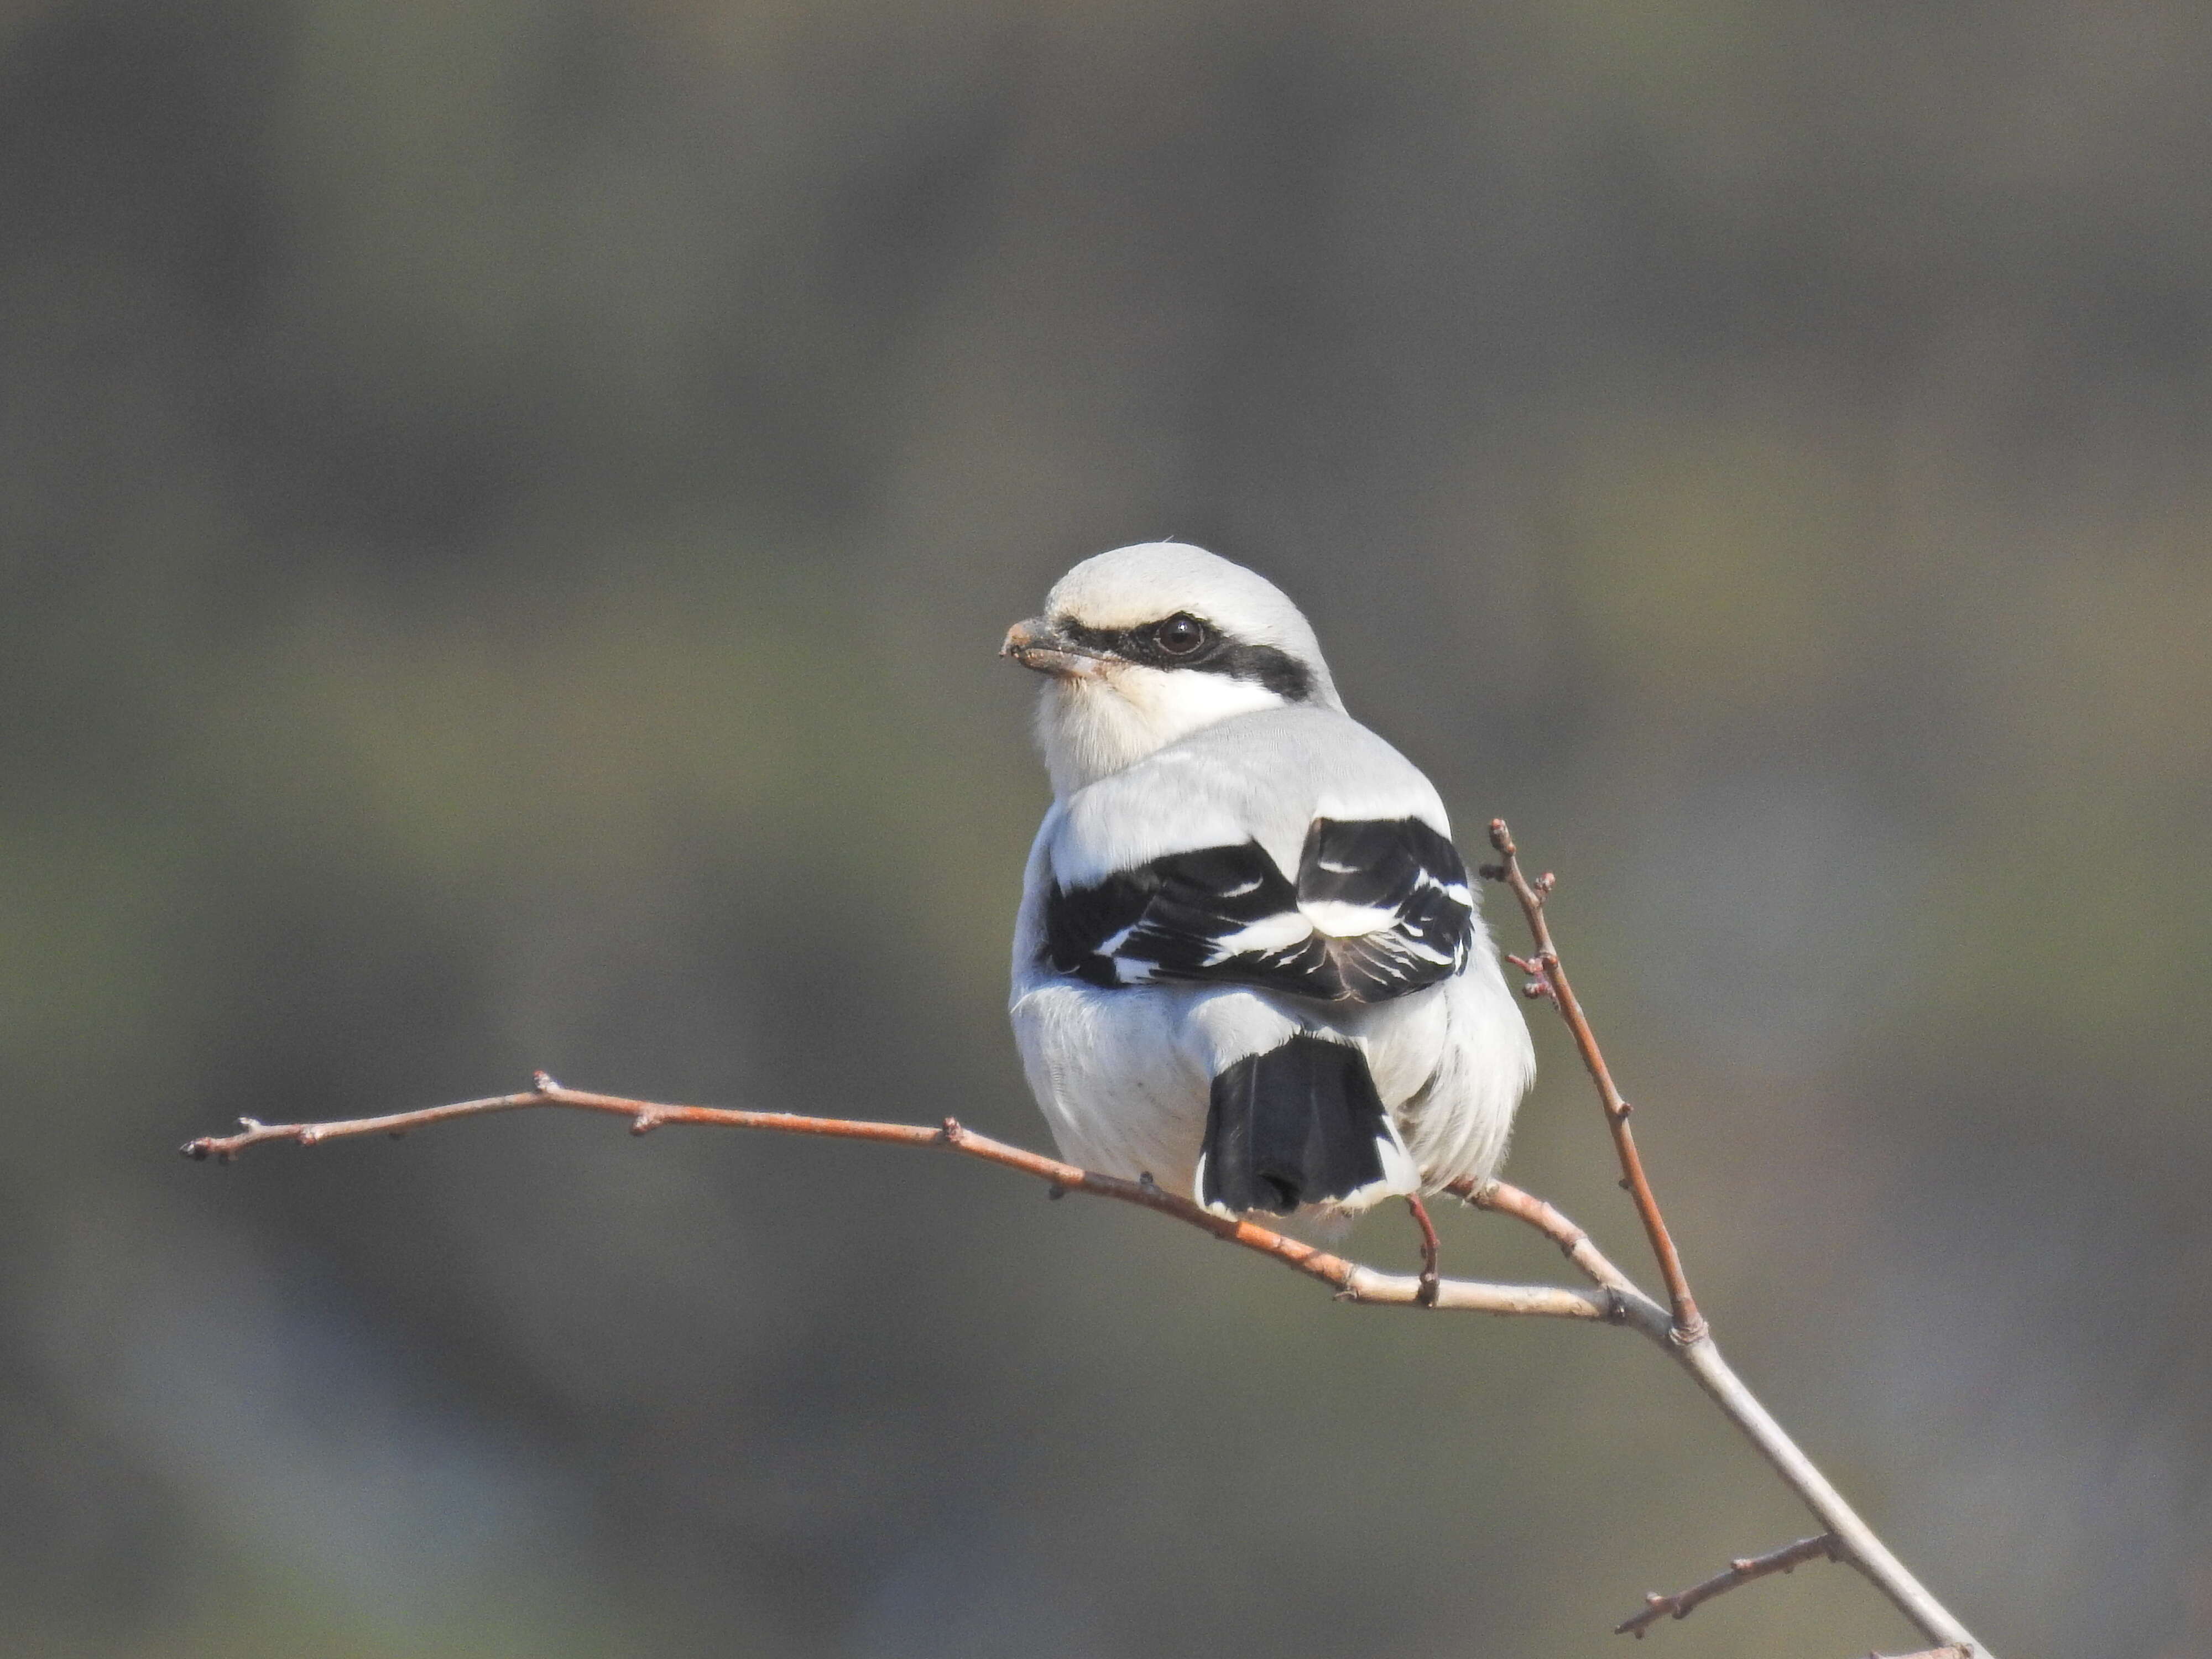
1334,919
1281,931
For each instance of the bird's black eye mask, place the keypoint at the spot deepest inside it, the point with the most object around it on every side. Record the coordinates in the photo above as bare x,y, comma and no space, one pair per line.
1183,640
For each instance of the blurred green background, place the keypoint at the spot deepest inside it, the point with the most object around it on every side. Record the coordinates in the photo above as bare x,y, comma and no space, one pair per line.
507,509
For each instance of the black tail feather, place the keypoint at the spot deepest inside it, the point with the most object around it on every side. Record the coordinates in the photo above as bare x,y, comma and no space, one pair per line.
1297,1125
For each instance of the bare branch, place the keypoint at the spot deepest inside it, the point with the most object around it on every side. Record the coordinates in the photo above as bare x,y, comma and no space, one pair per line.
1617,1299
1704,1361
1548,979
1688,1339
1682,1334
1742,1570
1352,1281
1574,1243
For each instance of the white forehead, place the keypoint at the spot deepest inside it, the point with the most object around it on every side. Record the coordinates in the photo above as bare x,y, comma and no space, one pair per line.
1152,580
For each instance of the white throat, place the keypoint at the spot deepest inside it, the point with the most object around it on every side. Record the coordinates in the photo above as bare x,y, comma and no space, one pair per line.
1093,726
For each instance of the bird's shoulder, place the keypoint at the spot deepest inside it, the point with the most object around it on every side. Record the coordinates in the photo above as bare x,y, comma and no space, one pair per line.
1264,777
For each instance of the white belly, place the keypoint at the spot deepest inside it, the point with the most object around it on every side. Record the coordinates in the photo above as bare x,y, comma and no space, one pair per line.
1120,1093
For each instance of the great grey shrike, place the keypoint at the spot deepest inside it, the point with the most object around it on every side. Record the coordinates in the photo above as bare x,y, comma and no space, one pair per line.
1248,963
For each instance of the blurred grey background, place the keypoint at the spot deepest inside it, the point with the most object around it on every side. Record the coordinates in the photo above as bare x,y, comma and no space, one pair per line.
507,509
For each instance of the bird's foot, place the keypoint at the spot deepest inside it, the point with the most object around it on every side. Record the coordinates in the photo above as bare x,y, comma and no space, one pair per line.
1426,1295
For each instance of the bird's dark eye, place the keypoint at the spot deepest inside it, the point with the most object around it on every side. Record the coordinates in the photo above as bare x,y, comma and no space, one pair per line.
1181,635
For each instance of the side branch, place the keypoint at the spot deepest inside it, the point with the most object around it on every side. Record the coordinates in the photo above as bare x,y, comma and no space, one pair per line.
1742,1570
1351,1281
1548,979
1504,1199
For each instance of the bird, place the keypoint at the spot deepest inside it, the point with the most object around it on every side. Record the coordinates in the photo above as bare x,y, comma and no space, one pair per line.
1248,964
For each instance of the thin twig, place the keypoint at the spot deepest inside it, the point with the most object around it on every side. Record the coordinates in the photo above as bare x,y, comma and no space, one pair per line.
1742,1570
1351,1281
1689,1339
1526,1207
1548,979
1702,1360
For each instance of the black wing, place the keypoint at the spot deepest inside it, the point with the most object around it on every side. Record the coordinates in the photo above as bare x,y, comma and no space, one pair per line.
1381,907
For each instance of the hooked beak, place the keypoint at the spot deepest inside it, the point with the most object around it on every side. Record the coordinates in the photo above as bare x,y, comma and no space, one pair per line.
1035,645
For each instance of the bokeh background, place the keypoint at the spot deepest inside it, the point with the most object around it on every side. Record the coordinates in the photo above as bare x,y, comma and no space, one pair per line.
507,509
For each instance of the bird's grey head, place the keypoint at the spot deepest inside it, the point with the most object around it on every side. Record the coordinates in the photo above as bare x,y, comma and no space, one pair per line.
1147,644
